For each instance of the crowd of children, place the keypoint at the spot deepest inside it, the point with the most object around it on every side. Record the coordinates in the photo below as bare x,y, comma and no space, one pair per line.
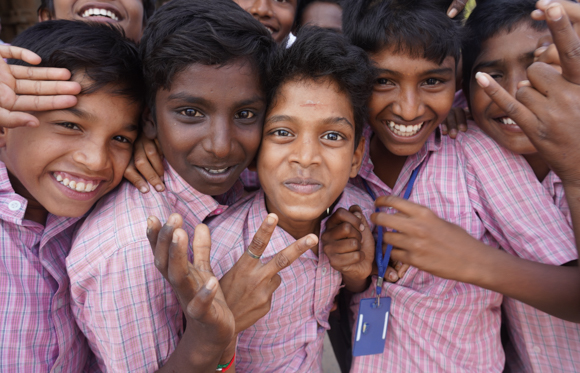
286,172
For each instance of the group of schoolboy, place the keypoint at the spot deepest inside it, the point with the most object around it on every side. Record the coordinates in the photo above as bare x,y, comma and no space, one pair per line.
483,276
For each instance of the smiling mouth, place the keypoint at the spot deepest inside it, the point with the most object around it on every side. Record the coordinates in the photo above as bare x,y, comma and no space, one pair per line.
76,183
403,129
506,121
98,12
216,171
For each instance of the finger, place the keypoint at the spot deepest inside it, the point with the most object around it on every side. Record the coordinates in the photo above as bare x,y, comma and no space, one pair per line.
177,263
402,205
456,7
135,178
566,41
451,124
42,73
200,307
512,107
344,262
402,270
144,167
400,255
400,241
348,245
12,119
7,51
153,229
356,210
570,7
344,231
202,248
155,158
45,88
391,275
341,216
461,119
262,237
163,242
44,103
287,256
393,221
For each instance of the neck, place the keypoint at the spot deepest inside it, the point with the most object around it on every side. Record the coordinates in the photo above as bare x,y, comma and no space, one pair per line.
387,166
538,165
34,211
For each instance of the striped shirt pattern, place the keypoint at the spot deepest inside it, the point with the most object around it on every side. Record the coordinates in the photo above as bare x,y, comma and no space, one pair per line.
530,220
435,325
122,303
290,337
38,330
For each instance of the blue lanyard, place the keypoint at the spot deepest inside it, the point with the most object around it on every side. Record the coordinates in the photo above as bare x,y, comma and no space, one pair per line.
383,261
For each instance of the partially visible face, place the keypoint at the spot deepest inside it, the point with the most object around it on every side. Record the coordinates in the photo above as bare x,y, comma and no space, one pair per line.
127,14
209,123
276,15
411,97
307,153
505,57
76,155
325,15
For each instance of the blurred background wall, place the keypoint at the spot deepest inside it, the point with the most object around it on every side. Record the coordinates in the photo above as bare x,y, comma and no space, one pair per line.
16,16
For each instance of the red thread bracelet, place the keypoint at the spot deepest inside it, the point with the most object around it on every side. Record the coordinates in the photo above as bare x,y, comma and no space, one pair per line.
224,367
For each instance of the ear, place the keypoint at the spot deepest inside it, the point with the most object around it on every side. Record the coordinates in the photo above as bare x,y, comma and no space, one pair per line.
44,15
149,124
357,157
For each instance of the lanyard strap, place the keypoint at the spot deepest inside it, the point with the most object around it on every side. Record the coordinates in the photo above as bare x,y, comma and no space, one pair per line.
383,261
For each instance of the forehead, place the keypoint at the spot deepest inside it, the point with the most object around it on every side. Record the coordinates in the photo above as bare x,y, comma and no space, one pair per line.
406,64
322,14
522,39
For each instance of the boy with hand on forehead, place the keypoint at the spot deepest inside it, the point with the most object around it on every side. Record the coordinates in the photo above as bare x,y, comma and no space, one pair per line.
51,174
206,108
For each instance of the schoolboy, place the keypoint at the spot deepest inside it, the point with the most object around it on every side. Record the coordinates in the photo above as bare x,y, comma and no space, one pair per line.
502,45
311,146
204,66
130,15
51,175
322,13
415,47
276,16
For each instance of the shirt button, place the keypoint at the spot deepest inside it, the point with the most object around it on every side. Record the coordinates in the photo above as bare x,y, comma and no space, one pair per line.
14,205
537,349
323,270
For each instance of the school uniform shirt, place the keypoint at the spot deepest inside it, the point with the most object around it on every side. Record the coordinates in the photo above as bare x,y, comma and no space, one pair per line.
435,325
527,219
121,302
290,337
37,329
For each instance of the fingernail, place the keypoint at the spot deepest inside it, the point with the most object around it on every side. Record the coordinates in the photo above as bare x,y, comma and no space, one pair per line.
452,13
175,238
31,124
544,2
555,12
482,80
310,241
143,189
540,50
392,277
358,215
172,220
149,223
159,187
211,284
524,83
270,220
361,228
444,129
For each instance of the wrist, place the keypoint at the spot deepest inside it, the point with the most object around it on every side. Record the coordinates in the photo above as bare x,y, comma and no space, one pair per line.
229,351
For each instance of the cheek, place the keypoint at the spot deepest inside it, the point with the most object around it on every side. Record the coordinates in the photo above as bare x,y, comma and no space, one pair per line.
480,101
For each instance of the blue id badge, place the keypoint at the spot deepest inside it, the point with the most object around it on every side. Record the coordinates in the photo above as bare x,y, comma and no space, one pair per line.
371,326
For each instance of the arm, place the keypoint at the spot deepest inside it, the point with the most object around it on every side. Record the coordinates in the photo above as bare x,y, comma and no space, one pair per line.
443,249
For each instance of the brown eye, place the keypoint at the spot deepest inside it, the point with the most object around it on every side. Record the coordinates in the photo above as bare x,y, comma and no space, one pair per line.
245,114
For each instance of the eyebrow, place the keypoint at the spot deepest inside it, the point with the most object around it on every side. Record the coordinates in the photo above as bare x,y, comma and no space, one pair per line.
523,57
442,71
92,118
329,120
181,96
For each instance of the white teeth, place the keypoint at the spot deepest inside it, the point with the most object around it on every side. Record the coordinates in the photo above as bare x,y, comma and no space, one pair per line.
89,187
508,121
270,30
403,130
58,178
100,13
65,182
72,184
214,171
78,186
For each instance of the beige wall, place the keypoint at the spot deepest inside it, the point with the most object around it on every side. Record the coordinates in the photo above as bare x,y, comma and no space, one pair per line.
16,16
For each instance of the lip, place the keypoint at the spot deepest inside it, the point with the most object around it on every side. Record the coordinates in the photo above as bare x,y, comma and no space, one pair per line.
514,128
105,6
303,186
78,196
216,178
407,139
269,26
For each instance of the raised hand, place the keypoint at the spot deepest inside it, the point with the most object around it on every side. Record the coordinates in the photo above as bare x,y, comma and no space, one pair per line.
248,286
349,244
210,322
24,89
456,7
146,165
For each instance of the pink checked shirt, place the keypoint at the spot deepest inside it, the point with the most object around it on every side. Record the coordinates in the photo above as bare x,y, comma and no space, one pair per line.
37,329
290,337
527,221
435,325
122,303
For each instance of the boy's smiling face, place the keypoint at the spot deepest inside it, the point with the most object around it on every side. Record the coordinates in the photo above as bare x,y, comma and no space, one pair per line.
505,57
209,123
75,156
127,14
276,15
410,98
307,153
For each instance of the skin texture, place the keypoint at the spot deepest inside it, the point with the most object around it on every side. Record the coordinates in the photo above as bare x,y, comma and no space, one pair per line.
211,117
307,153
407,91
129,14
325,15
276,15
93,140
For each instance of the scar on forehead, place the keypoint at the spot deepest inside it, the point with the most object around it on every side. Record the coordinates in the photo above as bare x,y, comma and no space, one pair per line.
311,103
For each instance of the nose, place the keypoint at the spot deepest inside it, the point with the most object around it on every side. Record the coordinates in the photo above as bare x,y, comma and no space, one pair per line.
261,9
306,151
218,141
514,78
93,155
409,105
